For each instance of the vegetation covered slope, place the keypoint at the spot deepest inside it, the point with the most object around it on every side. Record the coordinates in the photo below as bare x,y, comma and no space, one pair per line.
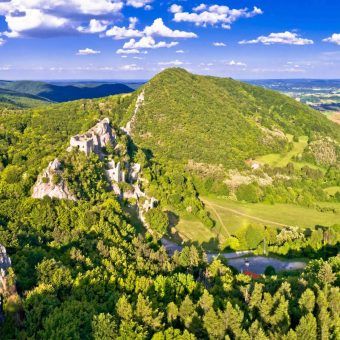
56,93
11,99
82,270
219,120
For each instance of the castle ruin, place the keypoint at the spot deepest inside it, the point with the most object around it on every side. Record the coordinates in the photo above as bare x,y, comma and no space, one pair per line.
94,139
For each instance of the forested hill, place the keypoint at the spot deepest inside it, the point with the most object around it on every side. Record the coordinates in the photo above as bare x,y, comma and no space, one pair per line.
83,270
58,93
13,99
219,120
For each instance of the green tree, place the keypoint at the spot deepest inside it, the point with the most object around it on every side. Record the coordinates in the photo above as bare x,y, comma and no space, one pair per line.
307,328
157,220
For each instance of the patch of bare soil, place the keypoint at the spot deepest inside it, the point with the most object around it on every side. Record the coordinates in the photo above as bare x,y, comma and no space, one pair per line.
335,117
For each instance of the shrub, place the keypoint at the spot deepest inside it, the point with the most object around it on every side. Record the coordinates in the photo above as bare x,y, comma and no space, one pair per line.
269,271
248,192
157,220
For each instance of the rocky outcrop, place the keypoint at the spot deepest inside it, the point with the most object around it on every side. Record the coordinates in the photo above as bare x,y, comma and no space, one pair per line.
50,183
143,208
129,125
114,172
5,261
94,139
124,177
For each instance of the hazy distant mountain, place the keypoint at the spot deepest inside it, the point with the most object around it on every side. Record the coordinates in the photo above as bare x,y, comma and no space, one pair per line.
13,99
62,93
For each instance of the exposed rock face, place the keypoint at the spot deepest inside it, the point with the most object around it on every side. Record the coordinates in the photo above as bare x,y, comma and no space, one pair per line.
114,172
50,183
148,204
5,261
94,139
129,125
323,151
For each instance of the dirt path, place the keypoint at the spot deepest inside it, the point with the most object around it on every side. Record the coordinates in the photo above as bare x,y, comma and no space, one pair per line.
212,205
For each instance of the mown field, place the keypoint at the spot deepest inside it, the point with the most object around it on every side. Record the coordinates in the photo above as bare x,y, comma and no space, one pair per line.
231,215
282,159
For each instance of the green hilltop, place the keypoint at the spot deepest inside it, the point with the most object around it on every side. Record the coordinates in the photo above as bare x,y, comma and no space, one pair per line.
219,120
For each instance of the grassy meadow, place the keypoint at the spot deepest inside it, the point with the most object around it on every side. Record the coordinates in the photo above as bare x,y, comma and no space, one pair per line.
282,159
231,215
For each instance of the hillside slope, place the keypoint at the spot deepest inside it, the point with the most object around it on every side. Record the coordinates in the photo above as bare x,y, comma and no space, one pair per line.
57,93
219,120
12,99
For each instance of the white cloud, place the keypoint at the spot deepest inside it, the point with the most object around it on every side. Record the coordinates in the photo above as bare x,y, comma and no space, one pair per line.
159,29
95,26
139,3
203,15
133,22
219,44
148,43
286,38
180,51
175,8
334,38
132,51
5,68
87,51
123,33
50,17
171,63
2,41
131,67
200,8
236,63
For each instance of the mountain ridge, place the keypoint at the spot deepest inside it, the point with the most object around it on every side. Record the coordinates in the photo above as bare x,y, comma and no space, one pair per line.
207,115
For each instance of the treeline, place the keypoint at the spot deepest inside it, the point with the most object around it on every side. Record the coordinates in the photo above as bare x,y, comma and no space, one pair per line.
291,185
319,242
83,272
175,190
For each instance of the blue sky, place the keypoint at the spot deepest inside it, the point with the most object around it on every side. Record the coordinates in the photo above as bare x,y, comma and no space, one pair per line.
135,39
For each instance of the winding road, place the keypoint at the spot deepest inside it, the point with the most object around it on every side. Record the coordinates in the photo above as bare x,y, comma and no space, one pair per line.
257,264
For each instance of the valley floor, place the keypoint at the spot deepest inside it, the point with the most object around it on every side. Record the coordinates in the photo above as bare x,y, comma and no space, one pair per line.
231,215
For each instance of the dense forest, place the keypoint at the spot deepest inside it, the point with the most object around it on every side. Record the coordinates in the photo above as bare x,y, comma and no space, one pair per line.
88,269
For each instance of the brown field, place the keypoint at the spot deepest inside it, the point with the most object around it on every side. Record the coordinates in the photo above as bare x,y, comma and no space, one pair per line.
335,117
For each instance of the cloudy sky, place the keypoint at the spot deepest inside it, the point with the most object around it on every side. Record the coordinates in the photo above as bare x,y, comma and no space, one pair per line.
134,39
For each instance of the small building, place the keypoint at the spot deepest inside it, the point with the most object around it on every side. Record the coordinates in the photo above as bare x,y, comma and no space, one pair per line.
253,164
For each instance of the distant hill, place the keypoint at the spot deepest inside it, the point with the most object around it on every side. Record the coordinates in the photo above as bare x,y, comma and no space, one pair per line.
56,93
219,120
12,99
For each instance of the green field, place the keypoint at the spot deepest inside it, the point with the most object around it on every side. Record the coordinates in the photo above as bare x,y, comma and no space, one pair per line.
332,190
231,215
282,159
